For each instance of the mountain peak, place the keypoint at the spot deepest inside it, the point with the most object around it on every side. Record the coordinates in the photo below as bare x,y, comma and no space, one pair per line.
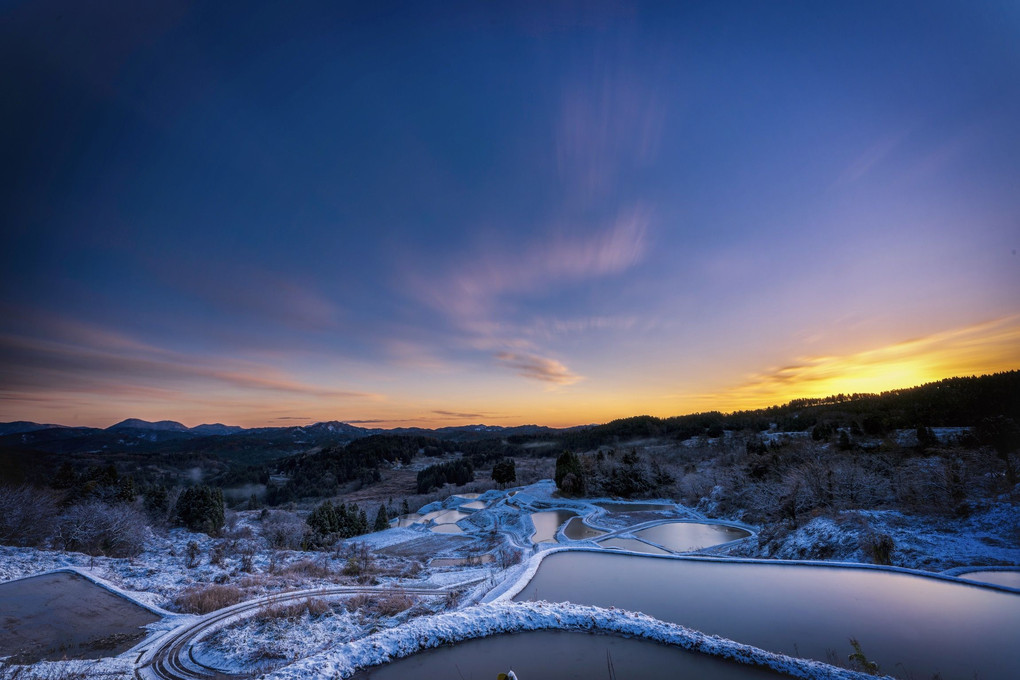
139,424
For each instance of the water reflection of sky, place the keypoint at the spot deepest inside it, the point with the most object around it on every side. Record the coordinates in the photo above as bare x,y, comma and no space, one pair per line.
547,522
553,654
686,536
908,624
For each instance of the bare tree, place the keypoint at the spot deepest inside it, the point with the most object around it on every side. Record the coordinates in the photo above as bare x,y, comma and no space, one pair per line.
95,528
26,515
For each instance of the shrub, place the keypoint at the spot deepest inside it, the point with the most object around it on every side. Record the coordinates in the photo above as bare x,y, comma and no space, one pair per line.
193,553
879,547
205,599
283,530
95,528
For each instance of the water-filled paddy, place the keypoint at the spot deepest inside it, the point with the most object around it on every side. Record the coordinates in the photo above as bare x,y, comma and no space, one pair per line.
408,520
685,536
910,625
447,529
577,530
475,505
1010,579
64,615
633,545
446,516
547,522
555,655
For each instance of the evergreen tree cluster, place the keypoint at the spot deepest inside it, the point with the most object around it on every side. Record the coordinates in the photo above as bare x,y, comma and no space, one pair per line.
100,483
454,472
504,472
606,474
200,508
329,522
324,473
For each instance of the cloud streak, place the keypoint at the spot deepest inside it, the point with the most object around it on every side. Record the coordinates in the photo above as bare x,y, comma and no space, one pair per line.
103,363
538,368
471,293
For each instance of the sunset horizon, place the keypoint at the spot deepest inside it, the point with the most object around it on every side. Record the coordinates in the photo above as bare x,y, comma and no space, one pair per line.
555,215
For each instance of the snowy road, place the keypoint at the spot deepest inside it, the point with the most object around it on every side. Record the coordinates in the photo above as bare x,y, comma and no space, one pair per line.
169,657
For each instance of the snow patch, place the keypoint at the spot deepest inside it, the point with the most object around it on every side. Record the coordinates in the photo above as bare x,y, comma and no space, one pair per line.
505,617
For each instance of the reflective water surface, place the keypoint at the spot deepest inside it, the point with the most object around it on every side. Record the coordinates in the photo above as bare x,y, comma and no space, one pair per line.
447,529
408,520
475,505
577,530
685,536
1010,579
633,545
546,524
911,625
446,516
556,655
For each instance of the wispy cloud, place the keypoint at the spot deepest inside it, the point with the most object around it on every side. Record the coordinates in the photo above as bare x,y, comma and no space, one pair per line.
248,291
477,285
457,414
66,356
609,123
538,368
476,295
869,159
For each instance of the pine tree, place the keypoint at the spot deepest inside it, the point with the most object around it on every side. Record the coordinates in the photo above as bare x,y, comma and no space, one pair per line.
382,520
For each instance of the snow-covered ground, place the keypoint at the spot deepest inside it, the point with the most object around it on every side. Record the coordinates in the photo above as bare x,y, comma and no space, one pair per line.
988,537
502,531
511,617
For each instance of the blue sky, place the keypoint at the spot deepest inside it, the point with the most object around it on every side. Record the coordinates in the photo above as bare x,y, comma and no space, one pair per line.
526,212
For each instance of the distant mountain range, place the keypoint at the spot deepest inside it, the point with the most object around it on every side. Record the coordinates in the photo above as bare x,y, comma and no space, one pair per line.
134,432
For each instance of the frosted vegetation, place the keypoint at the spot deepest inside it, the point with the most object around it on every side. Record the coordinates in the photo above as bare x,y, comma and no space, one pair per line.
439,529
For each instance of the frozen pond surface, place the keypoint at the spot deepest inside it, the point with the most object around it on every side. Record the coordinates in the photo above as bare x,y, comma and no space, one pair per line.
1010,579
65,615
911,625
577,530
546,524
555,655
685,536
633,545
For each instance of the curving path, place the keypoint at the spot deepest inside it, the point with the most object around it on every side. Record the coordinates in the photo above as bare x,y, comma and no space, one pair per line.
169,656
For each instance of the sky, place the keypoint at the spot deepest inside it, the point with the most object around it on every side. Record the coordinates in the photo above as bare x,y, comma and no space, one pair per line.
530,212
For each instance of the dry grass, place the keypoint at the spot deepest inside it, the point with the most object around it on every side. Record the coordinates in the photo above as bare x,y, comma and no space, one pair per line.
314,607
380,605
307,569
205,599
